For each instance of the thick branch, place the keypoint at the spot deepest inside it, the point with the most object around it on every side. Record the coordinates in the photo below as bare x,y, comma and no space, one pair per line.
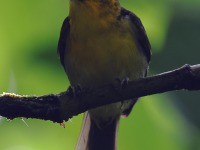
62,106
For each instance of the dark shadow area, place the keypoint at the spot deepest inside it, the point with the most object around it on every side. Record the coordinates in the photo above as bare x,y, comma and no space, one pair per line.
182,47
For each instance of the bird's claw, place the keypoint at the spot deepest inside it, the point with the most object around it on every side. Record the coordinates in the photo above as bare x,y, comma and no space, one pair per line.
123,82
74,91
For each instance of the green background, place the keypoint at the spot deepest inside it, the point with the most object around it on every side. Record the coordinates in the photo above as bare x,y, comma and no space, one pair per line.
29,31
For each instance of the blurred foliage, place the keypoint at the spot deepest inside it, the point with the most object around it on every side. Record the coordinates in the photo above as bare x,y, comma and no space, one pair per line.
29,32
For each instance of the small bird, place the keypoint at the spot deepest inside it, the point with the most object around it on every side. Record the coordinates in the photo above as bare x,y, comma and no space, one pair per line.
99,42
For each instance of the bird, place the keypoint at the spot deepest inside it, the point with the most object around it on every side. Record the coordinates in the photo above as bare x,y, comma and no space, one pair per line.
101,41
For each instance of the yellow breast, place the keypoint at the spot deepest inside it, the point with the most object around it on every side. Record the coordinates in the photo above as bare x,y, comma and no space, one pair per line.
96,57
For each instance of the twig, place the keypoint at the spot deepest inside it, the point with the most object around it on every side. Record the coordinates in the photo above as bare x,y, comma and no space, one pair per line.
62,106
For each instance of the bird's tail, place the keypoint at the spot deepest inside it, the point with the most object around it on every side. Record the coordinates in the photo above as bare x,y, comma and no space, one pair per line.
95,138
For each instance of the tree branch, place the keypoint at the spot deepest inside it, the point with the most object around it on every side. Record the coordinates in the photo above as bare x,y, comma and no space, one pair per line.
60,107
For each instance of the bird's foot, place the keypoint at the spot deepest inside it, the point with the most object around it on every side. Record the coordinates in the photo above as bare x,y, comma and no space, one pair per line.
74,91
123,82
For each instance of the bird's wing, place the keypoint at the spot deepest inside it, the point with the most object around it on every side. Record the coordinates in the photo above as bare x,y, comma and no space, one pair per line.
62,43
140,32
142,41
